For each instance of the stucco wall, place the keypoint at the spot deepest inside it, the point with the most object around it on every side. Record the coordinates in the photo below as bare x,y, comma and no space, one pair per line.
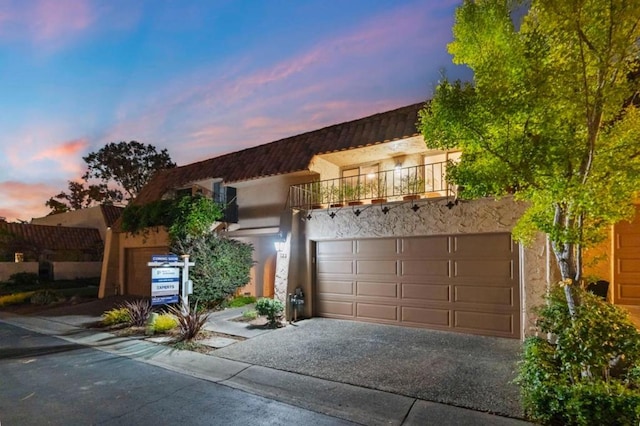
83,218
74,270
433,218
9,268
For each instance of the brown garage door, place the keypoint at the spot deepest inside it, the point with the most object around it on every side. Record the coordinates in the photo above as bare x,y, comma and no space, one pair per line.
465,283
627,262
137,272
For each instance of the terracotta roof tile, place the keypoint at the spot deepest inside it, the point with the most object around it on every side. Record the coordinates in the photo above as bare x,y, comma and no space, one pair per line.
110,213
52,237
290,154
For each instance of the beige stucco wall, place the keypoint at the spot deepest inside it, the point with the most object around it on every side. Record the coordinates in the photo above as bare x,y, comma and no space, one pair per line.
9,268
433,218
84,218
74,270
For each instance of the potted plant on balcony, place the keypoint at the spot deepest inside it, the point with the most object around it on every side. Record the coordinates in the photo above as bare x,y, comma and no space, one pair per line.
352,194
411,187
334,194
378,191
316,196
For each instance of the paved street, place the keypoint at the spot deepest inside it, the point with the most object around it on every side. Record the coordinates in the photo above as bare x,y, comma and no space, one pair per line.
49,381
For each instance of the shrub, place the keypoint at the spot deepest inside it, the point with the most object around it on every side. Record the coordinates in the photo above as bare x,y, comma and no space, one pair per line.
240,301
164,323
222,266
250,315
139,311
116,316
271,308
24,279
44,297
15,299
190,321
589,375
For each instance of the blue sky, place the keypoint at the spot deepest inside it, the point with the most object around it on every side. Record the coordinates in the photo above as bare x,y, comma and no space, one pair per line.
200,78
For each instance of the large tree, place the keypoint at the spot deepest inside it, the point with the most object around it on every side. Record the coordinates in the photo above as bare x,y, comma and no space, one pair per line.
122,169
129,165
550,116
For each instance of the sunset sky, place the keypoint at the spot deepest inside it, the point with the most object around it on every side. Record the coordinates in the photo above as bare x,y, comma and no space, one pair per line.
200,78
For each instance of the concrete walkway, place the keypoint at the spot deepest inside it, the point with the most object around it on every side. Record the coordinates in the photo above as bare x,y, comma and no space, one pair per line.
339,398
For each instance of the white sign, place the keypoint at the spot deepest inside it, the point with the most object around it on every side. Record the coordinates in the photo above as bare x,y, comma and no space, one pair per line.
165,281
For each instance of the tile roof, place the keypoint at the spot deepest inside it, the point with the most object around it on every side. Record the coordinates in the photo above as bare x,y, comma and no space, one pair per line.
110,213
52,237
288,155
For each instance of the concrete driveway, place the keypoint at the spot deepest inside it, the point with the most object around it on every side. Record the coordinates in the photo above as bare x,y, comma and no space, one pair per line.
457,369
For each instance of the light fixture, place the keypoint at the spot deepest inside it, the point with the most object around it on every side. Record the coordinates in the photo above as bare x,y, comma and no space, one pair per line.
280,243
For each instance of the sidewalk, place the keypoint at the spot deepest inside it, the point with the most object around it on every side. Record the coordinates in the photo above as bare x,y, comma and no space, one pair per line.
342,400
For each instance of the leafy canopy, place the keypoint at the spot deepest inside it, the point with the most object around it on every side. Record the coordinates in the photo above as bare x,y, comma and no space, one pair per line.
549,117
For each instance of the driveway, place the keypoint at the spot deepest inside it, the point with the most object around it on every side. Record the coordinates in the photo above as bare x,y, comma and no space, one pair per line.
463,370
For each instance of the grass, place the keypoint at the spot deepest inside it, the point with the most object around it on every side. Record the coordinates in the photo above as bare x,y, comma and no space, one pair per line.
240,301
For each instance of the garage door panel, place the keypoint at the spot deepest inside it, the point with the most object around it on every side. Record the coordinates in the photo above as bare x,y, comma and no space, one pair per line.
137,272
494,269
426,292
336,267
628,265
335,248
433,282
490,296
371,289
425,268
426,316
628,241
334,307
377,311
484,322
626,274
336,287
376,267
483,246
381,247
425,248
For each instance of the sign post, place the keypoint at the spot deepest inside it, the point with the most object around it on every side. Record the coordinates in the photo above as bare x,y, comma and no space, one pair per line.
165,279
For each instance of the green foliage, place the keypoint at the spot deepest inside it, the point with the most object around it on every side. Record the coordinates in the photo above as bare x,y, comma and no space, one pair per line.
271,308
250,315
590,374
129,165
24,279
139,311
116,316
222,266
190,321
547,117
81,197
16,298
240,301
44,297
164,323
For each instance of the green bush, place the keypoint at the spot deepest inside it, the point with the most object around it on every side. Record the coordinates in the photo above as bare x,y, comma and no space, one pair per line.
24,279
589,374
116,316
222,266
190,321
250,315
44,297
240,301
271,308
164,323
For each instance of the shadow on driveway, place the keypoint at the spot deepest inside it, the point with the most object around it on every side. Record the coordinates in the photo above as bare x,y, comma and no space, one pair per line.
457,369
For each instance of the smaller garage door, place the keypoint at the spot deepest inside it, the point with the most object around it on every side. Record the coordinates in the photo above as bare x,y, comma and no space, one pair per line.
627,262
464,283
137,272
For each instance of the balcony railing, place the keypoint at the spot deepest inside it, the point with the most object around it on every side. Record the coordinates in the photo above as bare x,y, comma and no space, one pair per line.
427,180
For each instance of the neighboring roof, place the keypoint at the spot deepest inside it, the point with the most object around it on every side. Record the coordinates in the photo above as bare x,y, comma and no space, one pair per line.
110,213
288,155
52,237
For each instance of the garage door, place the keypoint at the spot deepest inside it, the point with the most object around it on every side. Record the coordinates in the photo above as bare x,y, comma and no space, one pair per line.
627,262
137,273
465,283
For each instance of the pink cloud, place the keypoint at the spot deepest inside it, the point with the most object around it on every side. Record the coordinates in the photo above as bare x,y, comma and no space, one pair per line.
51,19
65,149
25,200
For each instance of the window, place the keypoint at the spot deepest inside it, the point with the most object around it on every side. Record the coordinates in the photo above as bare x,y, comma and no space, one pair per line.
360,182
435,171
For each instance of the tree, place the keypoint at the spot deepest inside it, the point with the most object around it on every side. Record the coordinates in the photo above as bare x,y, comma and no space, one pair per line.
123,168
81,197
129,165
550,116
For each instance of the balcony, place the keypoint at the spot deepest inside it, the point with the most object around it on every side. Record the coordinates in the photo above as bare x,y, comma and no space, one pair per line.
408,183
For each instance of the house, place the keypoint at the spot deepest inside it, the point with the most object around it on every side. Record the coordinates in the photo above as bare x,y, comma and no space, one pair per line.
360,217
99,217
52,251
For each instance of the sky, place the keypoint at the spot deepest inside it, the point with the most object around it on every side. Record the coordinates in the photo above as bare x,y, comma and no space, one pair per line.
199,78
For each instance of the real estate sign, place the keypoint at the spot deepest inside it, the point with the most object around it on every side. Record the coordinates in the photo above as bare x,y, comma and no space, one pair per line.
165,285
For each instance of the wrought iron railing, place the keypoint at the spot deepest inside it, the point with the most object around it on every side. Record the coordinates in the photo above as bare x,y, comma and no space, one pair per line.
427,180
